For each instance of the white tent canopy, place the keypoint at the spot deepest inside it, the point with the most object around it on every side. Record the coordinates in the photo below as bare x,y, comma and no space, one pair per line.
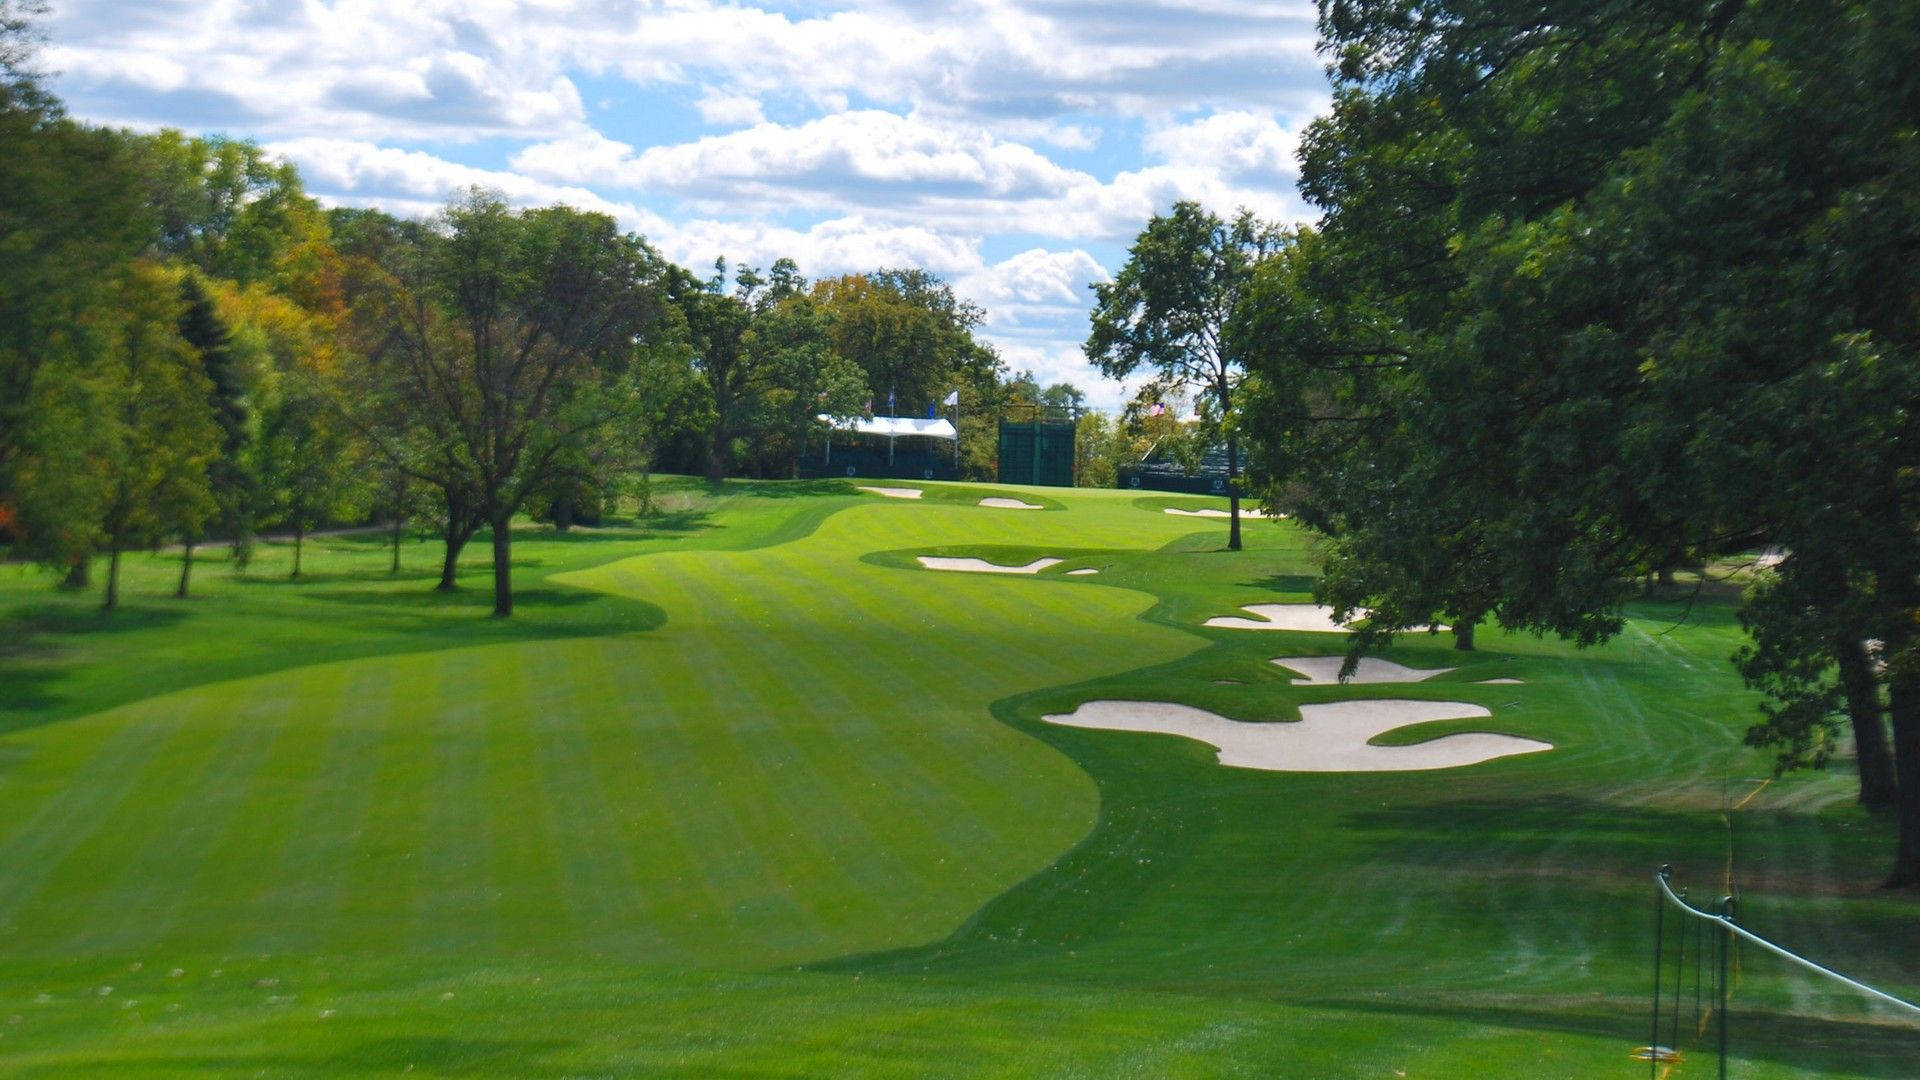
893,425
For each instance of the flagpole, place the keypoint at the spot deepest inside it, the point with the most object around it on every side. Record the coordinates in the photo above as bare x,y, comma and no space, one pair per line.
956,434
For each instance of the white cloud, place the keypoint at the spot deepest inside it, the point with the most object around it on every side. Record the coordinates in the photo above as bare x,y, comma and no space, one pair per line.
847,152
499,67
934,173
415,182
841,245
583,157
1245,146
974,121
722,109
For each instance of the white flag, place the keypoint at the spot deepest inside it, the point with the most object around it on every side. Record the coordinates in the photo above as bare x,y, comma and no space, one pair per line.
951,399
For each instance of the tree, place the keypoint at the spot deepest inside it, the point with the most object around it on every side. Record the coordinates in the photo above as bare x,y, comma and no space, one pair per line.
493,345
70,222
1101,446
907,331
224,206
1334,408
229,477
791,339
716,325
1167,310
1065,397
1564,285
158,432
307,463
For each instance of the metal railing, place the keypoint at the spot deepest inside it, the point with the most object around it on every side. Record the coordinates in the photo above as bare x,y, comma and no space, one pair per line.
1731,930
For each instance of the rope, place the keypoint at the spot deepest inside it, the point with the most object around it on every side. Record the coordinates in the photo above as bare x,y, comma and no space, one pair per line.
1744,933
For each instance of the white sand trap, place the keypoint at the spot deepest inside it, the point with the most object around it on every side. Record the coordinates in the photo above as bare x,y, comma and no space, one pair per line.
1328,738
1315,618
1325,670
1311,618
982,566
894,493
1211,512
1082,572
999,503
1502,682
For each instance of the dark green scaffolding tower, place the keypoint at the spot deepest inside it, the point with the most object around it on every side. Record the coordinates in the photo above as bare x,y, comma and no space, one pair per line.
1036,447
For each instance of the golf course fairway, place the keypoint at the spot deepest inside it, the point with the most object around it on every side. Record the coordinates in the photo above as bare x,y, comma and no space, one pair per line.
745,789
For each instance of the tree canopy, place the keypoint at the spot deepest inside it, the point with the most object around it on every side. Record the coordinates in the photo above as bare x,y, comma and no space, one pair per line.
1602,288
1167,311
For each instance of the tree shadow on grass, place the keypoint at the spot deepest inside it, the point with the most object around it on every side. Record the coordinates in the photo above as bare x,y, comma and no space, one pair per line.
657,527
23,626
309,578
526,601
34,676
783,489
1827,1045
430,1055
32,640
1283,583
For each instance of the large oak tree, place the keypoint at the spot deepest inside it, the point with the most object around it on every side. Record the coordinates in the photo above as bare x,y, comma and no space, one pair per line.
493,344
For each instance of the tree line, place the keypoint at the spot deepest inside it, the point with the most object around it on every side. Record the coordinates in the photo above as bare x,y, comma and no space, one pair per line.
192,349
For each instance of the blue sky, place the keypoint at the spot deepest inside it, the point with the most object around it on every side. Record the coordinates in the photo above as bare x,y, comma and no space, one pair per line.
1015,147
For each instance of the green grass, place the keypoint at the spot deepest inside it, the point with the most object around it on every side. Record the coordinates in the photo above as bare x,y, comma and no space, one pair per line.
744,791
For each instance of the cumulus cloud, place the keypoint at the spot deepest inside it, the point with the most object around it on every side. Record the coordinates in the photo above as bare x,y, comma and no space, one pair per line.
847,152
414,182
722,109
1244,146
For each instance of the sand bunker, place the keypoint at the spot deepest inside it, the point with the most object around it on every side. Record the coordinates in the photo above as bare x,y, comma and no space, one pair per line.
1311,618
1010,504
894,493
1325,670
1315,618
1211,512
982,566
1082,572
1328,738
1501,682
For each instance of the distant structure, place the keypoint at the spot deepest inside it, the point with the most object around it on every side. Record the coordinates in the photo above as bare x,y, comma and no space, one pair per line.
1157,471
1037,445
899,447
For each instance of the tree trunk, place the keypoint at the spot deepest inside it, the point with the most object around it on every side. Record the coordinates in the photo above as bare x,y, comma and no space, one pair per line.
186,570
398,524
299,540
1233,492
1877,785
1463,633
79,574
563,513
457,536
717,454
113,576
1904,711
502,569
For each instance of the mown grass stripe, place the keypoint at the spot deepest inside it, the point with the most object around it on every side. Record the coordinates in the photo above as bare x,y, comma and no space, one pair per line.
303,893
456,903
